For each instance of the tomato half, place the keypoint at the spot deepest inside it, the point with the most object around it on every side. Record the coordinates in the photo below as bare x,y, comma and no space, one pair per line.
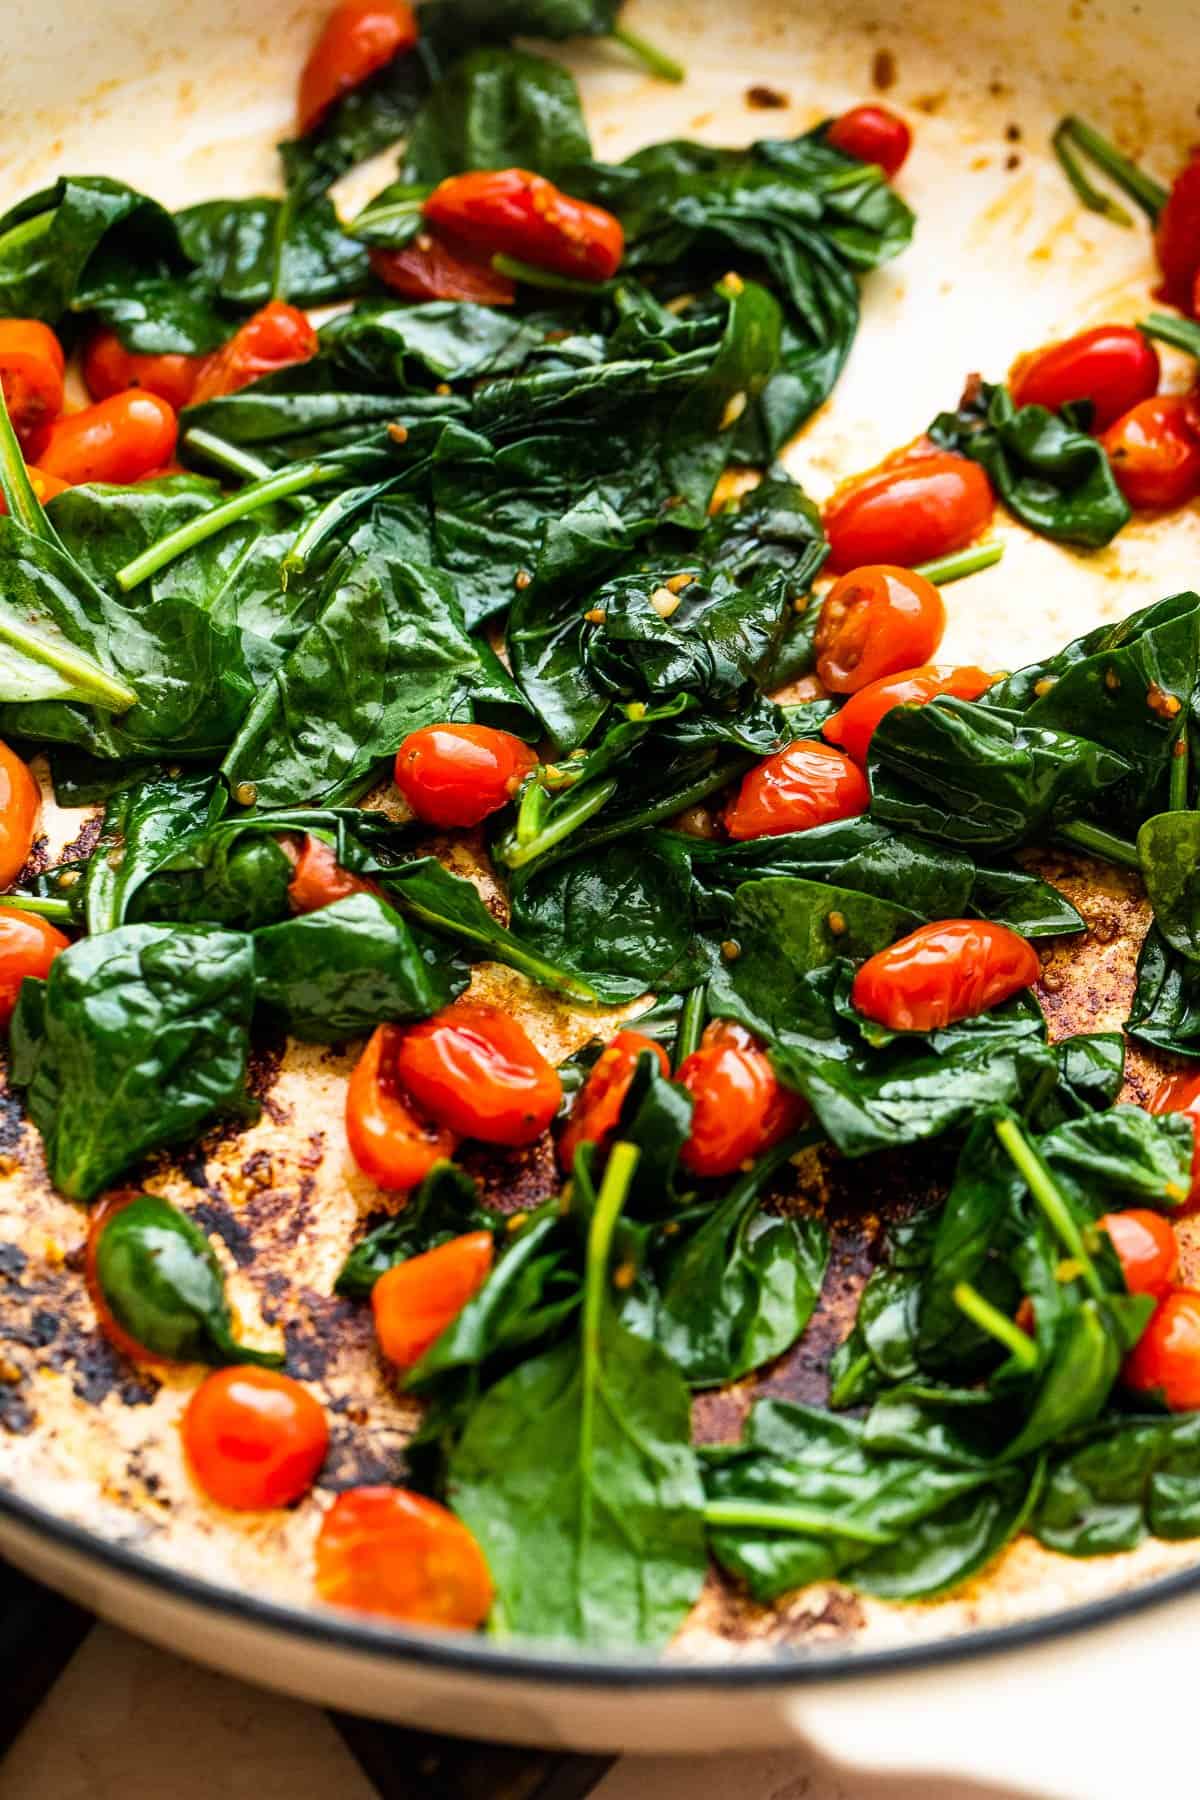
806,784
254,1438
876,621
358,38
1146,1247
28,945
1181,1094
854,727
1177,238
739,1106
31,375
939,973
108,368
516,213
415,1302
457,775
385,1550
388,1140
599,1101
873,134
320,879
1113,366
20,809
1154,450
120,439
1166,1358
909,512
473,1069
431,269
275,338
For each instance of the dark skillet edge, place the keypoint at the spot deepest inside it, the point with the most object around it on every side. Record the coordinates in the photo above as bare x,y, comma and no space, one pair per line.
475,1656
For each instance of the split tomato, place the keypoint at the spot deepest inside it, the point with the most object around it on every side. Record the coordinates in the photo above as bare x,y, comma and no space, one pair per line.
943,972
414,1302
431,269
599,1101
385,1550
277,337
389,1140
319,878
473,1068
513,212
1146,1248
806,784
876,621
739,1106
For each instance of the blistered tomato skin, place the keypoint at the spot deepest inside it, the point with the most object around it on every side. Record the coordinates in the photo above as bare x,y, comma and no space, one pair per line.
385,1550
254,1438
1146,1248
415,1302
1154,450
430,269
1177,238
277,337
28,945
358,38
908,512
599,1101
513,212
873,134
31,375
807,784
943,972
108,368
1166,1358
1112,366
475,1071
853,727
319,879
876,621
121,439
20,809
739,1107
1181,1094
458,775
389,1139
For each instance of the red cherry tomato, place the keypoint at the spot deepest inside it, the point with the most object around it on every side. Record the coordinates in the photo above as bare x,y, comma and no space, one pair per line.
31,375
807,784
873,134
254,1438
1181,1094
44,486
28,945
320,879
108,368
739,1108
387,1138
1166,1358
854,727
1177,238
20,808
473,1069
385,1550
273,339
515,213
876,621
429,269
1113,366
943,972
909,512
415,1302
1147,1249
120,439
358,38
457,775
599,1101
1155,452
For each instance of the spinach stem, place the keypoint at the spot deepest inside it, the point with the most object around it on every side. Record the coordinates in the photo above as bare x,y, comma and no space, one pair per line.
326,520
1182,334
1094,198
96,687
226,455
1073,134
531,814
373,218
197,531
657,61
1178,796
998,1325
583,804
532,276
1100,843
963,562
1057,1213
622,1161
767,1515
20,499
44,905
692,1015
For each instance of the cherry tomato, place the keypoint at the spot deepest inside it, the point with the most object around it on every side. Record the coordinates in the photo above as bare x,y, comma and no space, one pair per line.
273,339
807,784
515,213
385,1550
473,1069
1155,452
943,972
120,439
108,368
358,38
387,1138
415,1302
460,774
20,808
1146,1247
874,622
873,134
28,945
739,1108
854,727
320,879
254,1438
31,374
599,1101
44,486
1166,1358
1113,366
1181,1094
909,512
430,269
1177,237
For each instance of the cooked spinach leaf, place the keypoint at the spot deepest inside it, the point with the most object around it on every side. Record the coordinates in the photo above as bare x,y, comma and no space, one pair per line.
498,109
1129,1478
444,1206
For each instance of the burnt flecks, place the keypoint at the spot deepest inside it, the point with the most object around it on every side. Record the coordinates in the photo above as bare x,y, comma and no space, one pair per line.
320,1329
513,1181
761,98
219,1220
100,1370
361,1458
81,846
12,1119
13,1261
16,1414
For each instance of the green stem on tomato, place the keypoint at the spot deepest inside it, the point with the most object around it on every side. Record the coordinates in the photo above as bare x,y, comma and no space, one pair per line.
1054,1208
44,905
1177,798
998,1325
258,494
768,1515
580,806
1181,334
657,61
1100,843
963,562
1075,134
532,276
692,1015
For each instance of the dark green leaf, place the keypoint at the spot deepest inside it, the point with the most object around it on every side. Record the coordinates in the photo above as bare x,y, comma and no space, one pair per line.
445,1206
498,109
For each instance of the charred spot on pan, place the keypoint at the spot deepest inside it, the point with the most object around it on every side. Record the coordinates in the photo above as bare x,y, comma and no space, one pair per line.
85,841
360,1459
219,1220
512,1181
884,71
322,1328
100,1370
761,98
16,1414
12,1124
13,1261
